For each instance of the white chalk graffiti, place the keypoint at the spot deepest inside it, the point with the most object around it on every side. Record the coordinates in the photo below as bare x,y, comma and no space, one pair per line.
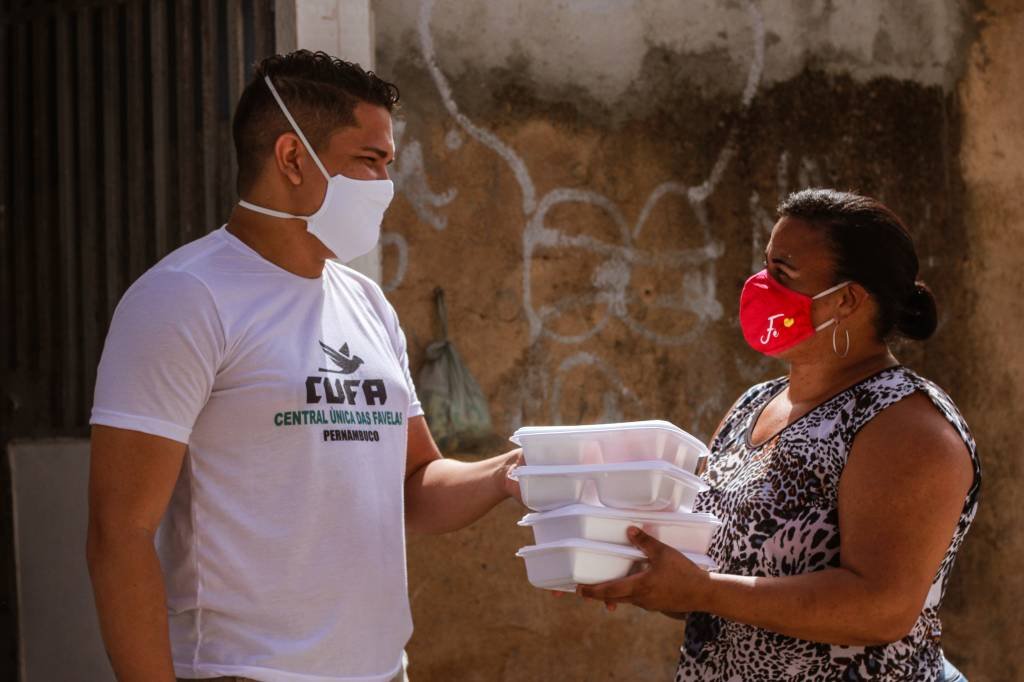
696,290
481,135
410,177
809,174
761,220
611,409
396,241
693,285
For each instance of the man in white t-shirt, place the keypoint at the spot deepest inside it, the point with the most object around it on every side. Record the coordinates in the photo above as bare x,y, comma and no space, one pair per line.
257,448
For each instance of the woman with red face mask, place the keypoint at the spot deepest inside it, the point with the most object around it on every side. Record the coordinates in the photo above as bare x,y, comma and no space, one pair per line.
845,488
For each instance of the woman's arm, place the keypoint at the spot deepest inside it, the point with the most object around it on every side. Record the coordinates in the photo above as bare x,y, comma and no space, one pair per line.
900,498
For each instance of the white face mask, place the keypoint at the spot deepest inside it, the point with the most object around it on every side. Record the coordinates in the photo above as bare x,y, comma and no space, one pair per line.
348,220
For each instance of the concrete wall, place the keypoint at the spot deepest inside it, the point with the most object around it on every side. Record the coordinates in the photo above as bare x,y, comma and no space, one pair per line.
612,225
983,617
591,181
59,634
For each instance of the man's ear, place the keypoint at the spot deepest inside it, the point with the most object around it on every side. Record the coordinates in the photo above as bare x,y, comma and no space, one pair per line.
289,155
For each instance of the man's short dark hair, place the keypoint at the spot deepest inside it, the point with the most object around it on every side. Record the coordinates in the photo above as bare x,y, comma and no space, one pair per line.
320,91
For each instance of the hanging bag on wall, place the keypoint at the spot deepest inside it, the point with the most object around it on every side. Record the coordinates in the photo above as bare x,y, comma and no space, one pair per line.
455,407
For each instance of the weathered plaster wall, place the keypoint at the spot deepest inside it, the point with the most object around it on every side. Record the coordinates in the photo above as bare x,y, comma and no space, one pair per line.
592,182
984,620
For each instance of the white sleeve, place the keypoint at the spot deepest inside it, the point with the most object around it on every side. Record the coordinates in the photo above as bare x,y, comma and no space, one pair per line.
160,357
398,342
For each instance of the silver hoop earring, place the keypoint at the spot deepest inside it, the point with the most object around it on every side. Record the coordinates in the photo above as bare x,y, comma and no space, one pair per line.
835,346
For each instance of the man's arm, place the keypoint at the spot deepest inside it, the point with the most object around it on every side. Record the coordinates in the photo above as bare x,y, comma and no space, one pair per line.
443,495
131,478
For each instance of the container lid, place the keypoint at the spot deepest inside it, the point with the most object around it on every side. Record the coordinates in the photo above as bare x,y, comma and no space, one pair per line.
675,518
649,425
588,545
702,560
589,470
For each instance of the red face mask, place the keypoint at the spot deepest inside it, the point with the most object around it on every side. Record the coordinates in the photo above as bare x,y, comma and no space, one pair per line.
774,318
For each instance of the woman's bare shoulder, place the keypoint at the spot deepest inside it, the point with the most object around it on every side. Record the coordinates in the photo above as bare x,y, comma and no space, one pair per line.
913,433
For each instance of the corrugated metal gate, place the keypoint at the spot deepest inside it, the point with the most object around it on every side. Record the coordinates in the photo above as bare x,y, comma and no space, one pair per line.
115,148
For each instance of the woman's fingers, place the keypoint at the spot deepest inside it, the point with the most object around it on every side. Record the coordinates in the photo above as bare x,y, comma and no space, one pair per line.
660,583
615,589
647,544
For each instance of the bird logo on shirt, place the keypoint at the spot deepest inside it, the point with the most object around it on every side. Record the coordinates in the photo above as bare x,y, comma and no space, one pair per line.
346,362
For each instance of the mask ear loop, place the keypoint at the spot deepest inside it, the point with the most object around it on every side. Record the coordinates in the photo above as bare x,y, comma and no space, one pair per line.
835,346
831,290
295,127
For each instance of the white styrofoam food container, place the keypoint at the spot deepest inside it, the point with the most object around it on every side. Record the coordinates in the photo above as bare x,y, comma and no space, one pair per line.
684,531
610,443
563,565
638,486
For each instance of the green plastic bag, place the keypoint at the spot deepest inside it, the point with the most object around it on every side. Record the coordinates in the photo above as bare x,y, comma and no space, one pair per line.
455,407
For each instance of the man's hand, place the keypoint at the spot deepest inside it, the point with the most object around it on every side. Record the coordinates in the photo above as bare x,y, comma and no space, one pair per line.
669,582
442,495
508,485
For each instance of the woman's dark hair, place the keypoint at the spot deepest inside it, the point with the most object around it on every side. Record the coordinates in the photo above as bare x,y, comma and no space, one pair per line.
871,246
320,91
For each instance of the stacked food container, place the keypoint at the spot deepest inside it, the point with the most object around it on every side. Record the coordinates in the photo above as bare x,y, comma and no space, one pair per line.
587,485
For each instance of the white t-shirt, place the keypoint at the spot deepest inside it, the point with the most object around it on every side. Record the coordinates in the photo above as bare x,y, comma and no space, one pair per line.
283,547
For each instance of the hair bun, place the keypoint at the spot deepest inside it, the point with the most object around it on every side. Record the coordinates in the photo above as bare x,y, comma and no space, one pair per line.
918,316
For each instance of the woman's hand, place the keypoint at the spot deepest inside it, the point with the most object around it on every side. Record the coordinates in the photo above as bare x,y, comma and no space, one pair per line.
670,582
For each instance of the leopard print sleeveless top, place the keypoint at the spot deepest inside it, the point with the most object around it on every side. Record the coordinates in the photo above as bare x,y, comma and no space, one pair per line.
780,508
